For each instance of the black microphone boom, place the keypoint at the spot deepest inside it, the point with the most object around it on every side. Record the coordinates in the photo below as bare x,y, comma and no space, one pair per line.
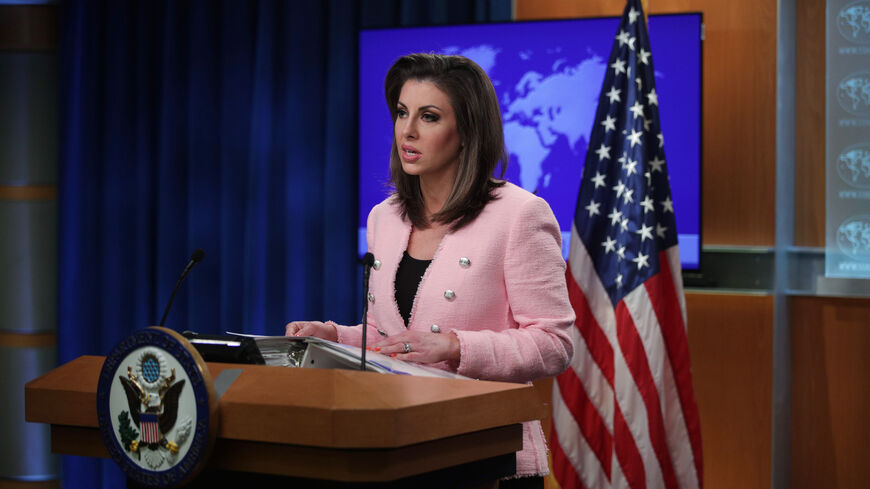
195,258
367,261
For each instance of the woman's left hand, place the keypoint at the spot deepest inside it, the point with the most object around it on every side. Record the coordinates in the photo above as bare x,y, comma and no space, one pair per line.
425,347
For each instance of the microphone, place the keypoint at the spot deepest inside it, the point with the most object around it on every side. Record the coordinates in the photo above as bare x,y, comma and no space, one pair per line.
367,261
195,258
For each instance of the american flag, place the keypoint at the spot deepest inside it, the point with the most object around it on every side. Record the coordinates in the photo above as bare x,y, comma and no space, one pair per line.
624,413
148,423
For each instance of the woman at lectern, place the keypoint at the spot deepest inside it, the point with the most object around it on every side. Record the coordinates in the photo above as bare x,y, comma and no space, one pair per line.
468,273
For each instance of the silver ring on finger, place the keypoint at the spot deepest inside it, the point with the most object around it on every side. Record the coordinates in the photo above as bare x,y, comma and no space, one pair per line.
406,347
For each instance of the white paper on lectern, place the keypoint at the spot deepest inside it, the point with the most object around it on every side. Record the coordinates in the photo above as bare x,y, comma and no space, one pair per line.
276,351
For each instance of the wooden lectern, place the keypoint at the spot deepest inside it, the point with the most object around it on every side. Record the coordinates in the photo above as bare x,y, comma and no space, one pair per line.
323,428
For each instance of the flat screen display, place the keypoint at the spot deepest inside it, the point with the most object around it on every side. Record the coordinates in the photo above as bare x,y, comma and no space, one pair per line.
548,76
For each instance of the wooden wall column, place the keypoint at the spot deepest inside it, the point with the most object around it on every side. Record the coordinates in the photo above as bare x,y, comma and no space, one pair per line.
28,234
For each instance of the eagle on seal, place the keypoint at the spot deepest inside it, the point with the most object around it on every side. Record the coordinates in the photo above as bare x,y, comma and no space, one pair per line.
164,412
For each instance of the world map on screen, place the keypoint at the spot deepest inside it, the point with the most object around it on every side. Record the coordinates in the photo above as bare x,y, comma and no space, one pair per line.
542,123
547,76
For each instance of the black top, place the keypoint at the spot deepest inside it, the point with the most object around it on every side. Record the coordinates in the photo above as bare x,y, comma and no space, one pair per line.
408,277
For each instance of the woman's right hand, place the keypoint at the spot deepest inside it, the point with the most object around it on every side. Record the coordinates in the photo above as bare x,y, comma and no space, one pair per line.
312,328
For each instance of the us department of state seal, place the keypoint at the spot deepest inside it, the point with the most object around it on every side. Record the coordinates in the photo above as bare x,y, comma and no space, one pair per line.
156,408
853,237
853,21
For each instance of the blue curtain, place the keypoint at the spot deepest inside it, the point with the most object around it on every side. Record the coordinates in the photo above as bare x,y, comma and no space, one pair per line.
223,125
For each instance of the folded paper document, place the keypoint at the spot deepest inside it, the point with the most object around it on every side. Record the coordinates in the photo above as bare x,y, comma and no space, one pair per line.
311,352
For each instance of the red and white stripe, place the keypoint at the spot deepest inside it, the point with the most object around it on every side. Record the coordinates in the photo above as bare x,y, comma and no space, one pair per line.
150,428
624,413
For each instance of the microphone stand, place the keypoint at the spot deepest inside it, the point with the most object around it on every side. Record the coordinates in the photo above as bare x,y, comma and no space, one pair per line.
368,261
195,258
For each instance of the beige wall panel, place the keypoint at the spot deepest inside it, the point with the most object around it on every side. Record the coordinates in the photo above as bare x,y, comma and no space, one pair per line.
830,393
731,343
28,118
24,455
28,27
739,133
809,195
11,484
28,265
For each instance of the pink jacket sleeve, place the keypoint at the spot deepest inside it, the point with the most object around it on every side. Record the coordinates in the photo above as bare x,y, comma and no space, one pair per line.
540,345
352,335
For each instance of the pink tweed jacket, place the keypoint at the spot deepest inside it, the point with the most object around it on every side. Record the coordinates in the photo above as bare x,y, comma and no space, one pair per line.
498,284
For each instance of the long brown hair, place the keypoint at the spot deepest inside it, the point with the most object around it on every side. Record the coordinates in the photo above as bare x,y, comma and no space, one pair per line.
478,122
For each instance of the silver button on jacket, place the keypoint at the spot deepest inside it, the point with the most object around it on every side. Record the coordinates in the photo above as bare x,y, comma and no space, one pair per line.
449,295
464,262
376,265
371,298
435,328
